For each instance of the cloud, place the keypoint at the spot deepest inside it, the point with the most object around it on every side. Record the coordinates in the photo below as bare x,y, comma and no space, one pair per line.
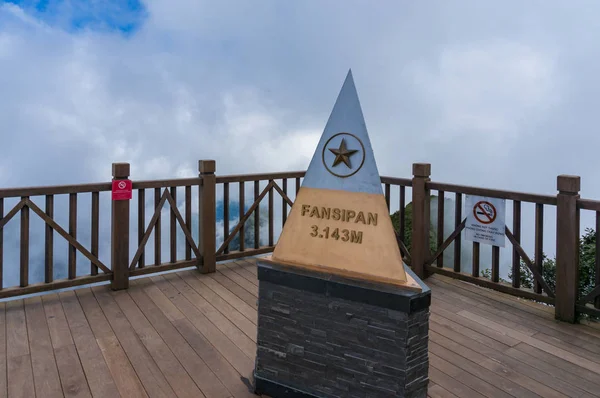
490,89
500,95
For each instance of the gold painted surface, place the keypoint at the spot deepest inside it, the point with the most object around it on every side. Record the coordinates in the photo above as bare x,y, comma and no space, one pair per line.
344,233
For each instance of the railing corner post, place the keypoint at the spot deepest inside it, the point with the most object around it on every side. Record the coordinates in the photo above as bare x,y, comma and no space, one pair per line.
120,233
567,247
419,251
207,216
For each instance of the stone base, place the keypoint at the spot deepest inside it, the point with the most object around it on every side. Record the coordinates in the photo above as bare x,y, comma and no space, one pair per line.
326,336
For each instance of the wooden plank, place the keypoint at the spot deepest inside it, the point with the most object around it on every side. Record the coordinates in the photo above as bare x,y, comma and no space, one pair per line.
18,359
202,375
224,295
523,380
243,282
168,363
566,371
497,339
228,328
20,376
152,379
482,387
17,344
224,301
72,377
523,304
486,300
45,371
211,356
236,289
163,291
443,301
555,367
517,372
451,384
3,381
242,271
124,376
96,370
437,391
457,354
57,322
249,265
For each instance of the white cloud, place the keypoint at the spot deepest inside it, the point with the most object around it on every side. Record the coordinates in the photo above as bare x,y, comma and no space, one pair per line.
252,86
491,90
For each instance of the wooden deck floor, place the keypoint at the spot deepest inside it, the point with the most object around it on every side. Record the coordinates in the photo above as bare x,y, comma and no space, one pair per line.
188,335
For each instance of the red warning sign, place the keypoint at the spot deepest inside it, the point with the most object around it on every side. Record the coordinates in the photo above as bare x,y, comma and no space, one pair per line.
484,212
122,189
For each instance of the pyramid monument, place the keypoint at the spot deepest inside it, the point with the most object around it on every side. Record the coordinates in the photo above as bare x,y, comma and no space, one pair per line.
339,223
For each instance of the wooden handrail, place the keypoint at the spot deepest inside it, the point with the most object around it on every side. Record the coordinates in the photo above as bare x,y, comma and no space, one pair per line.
200,245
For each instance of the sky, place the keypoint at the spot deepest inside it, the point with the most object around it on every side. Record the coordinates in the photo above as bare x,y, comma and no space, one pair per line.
493,94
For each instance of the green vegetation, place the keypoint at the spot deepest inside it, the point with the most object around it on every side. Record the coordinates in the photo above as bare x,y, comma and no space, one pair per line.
587,256
408,227
587,265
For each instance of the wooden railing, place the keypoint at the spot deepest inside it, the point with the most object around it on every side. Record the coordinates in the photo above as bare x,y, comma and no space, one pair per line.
26,208
567,205
179,217
590,302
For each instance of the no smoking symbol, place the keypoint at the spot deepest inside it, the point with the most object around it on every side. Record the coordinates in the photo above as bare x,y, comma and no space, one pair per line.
484,212
122,184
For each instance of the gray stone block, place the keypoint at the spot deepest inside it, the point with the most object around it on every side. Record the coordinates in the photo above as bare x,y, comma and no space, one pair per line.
332,347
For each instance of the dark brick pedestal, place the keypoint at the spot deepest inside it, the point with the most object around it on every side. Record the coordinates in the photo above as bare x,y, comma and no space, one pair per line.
326,336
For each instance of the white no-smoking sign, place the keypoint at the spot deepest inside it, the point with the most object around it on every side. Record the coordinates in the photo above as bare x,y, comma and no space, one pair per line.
485,220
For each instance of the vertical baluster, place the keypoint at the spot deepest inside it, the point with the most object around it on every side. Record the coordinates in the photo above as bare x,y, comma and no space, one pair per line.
516,259
173,231
457,241
141,224
539,243
402,213
440,227
95,232
387,196
188,220
495,264
242,200
73,233
284,203
271,216
49,242
1,245
226,214
24,245
597,279
157,229
476,259
256,216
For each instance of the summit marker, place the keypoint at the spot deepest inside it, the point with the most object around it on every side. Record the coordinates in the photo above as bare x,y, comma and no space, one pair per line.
339,313
340,222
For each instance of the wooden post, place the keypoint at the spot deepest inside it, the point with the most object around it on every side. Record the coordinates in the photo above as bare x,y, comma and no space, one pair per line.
419,251
207,216
567,247
120,233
